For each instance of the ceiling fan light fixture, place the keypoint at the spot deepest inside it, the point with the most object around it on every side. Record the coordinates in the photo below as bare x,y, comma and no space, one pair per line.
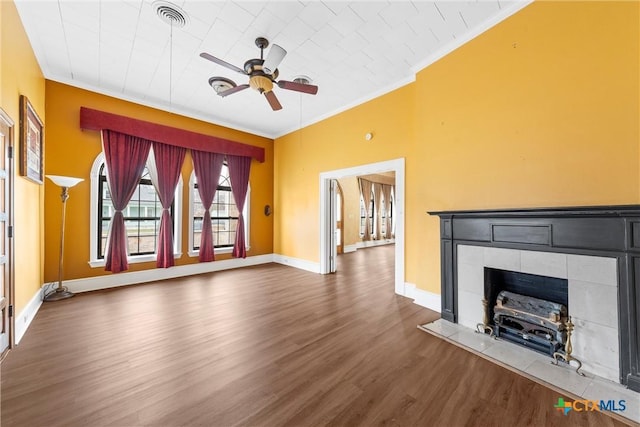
303,80
221,84
274,58
261,83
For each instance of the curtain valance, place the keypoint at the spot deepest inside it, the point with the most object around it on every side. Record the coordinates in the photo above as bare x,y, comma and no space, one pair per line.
98,120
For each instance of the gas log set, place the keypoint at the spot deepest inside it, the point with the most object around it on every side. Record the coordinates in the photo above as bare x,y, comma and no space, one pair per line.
529,310
535,323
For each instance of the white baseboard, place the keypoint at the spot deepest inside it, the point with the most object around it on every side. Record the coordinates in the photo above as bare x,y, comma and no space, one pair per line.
135,277
372,243
349,248
26,316
302,264
423,298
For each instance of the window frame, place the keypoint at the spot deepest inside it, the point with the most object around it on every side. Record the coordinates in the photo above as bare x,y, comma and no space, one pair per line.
96,214
220,250
388,216
372,216
383,218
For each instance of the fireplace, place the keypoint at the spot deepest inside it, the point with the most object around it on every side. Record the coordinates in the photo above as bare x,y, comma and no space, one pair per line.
595,249
528,309
592,288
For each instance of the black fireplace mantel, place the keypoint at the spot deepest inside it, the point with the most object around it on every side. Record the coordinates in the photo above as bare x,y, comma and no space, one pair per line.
607,231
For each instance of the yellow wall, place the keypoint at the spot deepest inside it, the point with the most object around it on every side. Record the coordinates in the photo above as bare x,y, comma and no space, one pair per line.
541,110
71,151
20,75
335,143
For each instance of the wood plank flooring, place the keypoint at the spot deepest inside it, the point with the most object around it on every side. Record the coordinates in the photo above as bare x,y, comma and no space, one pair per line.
263,346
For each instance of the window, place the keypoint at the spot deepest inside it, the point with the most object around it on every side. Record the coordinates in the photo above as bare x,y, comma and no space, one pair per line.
224,216
372,215
363,214
141,216
384,215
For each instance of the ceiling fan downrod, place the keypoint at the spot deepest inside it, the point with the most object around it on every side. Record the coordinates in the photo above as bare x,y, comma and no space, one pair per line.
262,44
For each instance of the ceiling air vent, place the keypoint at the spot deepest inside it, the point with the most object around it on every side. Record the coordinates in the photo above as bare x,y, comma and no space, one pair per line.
170,13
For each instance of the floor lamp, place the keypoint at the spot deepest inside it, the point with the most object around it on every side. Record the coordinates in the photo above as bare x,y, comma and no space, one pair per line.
65,182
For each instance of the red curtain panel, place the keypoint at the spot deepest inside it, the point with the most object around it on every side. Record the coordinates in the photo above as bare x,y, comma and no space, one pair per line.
207,167
125,157
169,159
239,168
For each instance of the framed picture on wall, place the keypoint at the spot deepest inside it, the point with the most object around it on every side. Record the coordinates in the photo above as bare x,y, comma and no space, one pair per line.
31,142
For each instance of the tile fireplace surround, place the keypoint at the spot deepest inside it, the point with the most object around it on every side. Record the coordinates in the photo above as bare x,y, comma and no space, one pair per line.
597,249
593,302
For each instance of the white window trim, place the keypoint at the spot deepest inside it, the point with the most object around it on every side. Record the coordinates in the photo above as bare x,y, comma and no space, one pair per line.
245,214
94,261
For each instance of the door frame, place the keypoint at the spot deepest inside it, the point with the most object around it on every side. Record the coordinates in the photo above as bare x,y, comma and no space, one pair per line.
326,227
9,280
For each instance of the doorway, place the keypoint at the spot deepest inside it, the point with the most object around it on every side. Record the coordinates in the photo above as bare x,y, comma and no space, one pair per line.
6,234
335,219
328,214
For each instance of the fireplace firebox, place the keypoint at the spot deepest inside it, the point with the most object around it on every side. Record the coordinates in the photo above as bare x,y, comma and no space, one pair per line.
527,309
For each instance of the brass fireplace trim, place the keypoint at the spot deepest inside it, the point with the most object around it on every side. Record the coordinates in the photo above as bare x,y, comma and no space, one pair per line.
568,349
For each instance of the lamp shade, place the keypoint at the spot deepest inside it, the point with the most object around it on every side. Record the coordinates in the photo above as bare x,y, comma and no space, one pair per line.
64,181
274,58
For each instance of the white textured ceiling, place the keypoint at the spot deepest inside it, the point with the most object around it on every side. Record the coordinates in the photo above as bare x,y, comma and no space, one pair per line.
353,51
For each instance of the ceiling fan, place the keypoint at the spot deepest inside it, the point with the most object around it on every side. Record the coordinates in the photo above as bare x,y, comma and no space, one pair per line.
262,75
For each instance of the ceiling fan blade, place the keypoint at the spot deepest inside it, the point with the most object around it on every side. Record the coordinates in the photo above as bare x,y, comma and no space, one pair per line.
233,90
298,87
273,100
274,58
221,62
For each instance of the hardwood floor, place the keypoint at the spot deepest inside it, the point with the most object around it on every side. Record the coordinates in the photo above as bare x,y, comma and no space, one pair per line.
262,346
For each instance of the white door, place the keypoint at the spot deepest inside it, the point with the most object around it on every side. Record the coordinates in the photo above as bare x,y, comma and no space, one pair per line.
339,221
333,193
6,191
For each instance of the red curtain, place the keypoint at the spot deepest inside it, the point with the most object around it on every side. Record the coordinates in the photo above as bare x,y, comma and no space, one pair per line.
207,167
239,168
168,160
125,157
